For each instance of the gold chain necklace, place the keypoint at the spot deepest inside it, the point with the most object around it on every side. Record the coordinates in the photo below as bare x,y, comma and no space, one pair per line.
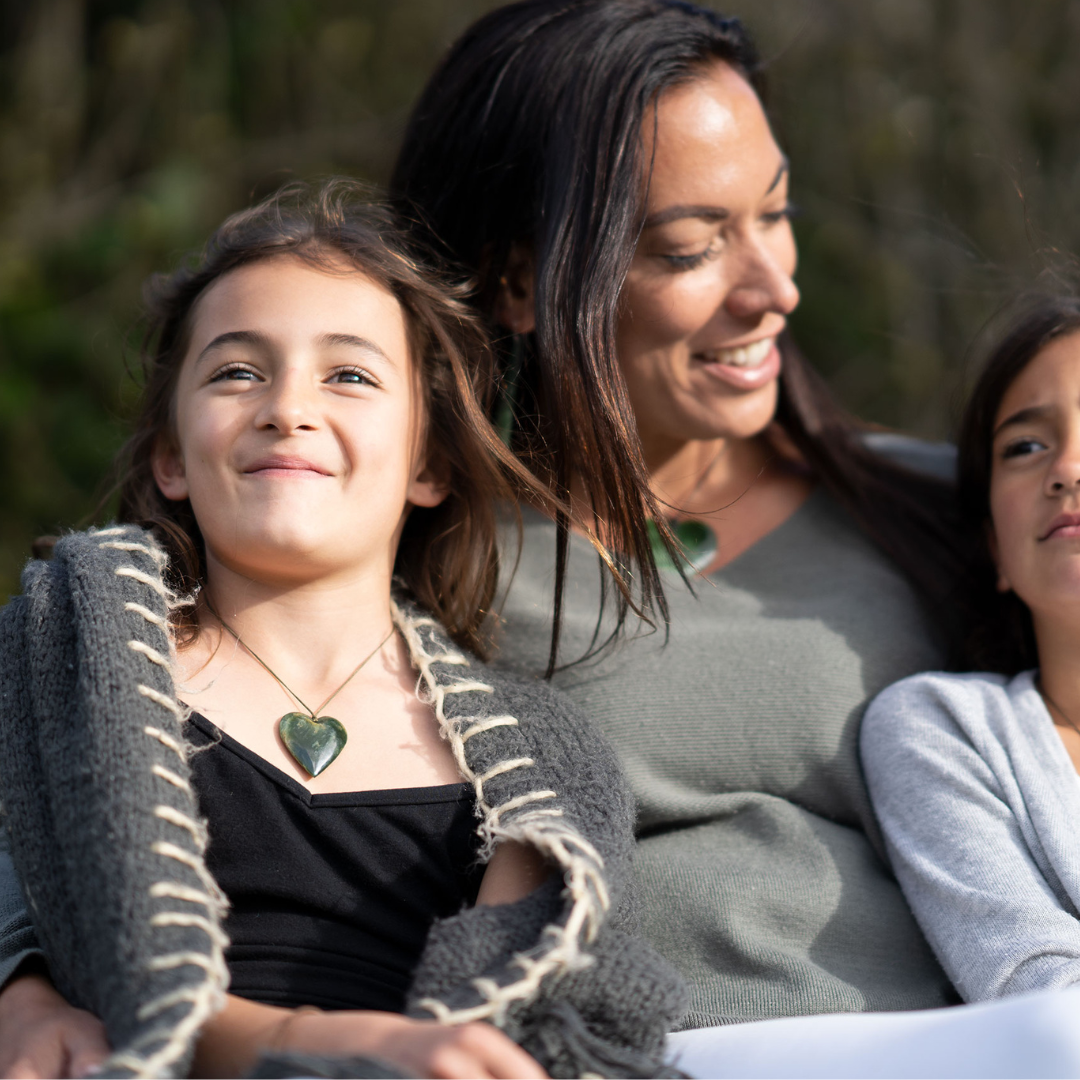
314,741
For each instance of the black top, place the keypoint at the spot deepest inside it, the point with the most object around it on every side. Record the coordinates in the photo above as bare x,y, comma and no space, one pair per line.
332,895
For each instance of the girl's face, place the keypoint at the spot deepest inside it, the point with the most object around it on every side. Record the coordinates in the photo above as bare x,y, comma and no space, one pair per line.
298,425
711,283
1035,482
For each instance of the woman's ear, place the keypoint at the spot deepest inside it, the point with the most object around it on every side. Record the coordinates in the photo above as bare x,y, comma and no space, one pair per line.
168,468
1003,584
515,306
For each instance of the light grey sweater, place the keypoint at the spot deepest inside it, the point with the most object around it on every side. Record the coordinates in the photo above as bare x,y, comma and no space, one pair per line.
980,807
762,876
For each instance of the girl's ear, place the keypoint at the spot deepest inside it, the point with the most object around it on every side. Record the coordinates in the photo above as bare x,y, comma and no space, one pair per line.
1003,584
168,468
429,486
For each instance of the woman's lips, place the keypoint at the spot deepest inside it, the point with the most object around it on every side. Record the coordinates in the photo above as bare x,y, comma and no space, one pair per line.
746,367
1064,527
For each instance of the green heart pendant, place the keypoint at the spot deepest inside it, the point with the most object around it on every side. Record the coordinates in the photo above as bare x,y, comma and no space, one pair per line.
315,743
697,539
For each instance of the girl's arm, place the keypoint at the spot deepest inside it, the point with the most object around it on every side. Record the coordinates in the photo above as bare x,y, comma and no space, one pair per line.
232,1041
938,778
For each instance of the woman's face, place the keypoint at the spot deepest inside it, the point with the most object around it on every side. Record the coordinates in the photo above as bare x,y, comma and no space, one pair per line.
1035,482
711,285
298,429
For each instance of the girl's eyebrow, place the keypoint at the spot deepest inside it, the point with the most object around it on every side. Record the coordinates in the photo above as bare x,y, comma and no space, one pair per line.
254,337
1024,416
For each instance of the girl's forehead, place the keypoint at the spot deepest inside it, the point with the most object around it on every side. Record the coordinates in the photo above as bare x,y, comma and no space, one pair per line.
289,297
1052,378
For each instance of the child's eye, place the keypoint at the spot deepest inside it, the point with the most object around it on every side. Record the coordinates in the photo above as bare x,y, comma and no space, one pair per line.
234,372
353,377
1022,447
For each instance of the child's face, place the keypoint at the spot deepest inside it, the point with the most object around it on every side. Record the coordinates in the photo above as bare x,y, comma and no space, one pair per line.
299,431
1035,483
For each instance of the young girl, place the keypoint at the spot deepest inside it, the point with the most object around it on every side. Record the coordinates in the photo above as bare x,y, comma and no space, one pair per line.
281,637
974,777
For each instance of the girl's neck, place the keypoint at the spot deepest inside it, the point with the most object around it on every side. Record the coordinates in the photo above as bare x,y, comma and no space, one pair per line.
1059,662
320,626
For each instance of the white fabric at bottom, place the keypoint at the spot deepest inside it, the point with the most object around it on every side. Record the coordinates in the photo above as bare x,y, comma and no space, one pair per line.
1031,1035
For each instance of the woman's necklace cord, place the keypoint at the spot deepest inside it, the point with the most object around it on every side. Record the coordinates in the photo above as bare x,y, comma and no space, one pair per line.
314,741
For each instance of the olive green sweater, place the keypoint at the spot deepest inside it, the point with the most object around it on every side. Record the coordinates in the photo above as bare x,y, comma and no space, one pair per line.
762,870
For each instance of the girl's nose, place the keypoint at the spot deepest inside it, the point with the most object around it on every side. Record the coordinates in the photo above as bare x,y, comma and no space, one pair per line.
1064,474
764,286
288,405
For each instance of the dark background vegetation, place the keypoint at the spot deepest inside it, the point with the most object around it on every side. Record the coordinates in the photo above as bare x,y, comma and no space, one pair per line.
935,147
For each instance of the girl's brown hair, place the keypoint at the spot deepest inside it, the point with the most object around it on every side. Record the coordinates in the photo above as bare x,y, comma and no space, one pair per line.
448,555
1000,635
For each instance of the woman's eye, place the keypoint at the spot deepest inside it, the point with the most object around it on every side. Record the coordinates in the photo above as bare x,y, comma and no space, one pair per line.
774,217
698,258
1022,447
235,373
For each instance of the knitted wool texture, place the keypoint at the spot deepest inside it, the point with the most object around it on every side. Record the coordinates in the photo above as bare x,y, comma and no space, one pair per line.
106,836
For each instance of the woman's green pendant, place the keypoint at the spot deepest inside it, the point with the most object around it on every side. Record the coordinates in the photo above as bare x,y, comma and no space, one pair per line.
315,742
696,538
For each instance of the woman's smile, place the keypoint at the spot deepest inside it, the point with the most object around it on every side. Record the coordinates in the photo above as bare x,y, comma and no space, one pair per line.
746,367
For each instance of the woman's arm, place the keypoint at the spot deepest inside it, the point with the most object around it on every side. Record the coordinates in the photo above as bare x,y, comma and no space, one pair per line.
41,1035
958,849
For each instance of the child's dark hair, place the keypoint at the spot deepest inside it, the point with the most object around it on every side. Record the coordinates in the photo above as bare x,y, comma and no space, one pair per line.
448,557
1001,637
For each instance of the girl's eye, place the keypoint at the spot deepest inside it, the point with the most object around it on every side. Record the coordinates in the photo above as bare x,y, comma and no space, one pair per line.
1022,447
235,373
353,377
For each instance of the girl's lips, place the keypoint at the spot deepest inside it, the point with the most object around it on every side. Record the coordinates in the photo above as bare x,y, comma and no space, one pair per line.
1063,527
743,378
280,465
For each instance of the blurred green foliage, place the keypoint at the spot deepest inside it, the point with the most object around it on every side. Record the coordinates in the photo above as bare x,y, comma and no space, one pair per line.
935,148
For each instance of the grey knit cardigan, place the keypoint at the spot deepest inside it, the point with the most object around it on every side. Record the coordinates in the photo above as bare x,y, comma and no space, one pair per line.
105,834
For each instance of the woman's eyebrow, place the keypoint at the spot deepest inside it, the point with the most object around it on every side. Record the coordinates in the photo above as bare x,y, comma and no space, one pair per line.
1023,416
706,213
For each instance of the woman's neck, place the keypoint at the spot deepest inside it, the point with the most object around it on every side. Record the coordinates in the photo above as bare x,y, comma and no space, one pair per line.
698,476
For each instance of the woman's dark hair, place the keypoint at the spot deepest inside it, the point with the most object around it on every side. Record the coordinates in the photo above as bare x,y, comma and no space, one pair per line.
1001,637
528,137
447,558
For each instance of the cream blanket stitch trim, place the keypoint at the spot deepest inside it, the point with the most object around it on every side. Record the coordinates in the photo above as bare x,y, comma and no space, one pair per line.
159,1049
539,826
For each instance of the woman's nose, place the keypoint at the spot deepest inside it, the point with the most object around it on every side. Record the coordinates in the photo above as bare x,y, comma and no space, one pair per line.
288,405
764,285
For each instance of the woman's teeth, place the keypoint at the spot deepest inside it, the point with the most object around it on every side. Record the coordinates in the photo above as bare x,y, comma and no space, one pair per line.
746,356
